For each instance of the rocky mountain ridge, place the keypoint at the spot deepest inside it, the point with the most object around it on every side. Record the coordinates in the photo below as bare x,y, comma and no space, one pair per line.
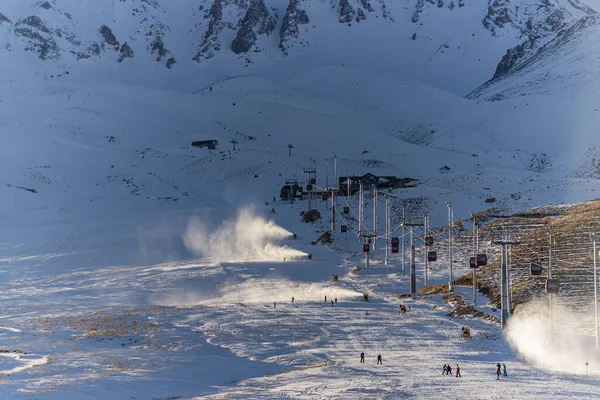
127,29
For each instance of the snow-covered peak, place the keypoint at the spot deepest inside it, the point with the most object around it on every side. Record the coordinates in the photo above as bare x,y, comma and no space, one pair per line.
455,45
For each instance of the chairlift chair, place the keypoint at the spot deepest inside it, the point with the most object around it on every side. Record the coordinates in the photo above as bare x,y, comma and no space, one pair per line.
343,229
346,210
366,248
395,249
431,256
473,262
309,187
552,286
429,241
313,181
482,260
395,241
535,269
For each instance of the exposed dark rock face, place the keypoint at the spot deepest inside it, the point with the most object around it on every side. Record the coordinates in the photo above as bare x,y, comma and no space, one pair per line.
512,57
4,20
171,62
93,50
290,28
126,52
346,11
497,16
46,5
210,41
159,48
366,5
38,36
244,39
109,37
360,15
257,21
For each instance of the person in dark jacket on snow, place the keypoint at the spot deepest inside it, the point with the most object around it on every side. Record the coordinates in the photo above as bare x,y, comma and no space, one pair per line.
379,359
498,371
362,357
504,369
445,370
458,375
449,370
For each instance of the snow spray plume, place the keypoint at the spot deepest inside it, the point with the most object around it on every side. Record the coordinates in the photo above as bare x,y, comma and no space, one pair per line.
262,290
559,346
248,238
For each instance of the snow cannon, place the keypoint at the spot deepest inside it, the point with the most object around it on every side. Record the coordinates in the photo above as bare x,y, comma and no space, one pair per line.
365,296
309,256
402,309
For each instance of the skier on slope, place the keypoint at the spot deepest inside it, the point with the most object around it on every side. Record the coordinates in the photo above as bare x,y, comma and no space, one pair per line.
445,370
362,357
379,359
504,368
458,375
449,370
498,371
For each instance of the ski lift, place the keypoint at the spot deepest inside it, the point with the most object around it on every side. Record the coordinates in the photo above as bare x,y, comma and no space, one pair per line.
366,248
346,210
535,269
395,249
395,241
473,262
552,286
431,256
309,187
343,229
429,241
482,260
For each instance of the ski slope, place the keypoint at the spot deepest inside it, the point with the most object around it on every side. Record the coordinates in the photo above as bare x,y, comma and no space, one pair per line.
136,266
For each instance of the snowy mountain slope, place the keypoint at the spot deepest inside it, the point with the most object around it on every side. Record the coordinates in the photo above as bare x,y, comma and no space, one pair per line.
565,66
452,46
109,150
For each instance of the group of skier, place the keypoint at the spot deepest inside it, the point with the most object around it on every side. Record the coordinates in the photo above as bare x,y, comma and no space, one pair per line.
498,370
447,370
379,358
334,301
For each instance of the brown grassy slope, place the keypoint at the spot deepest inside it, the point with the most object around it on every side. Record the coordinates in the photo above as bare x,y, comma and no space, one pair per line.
571,254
